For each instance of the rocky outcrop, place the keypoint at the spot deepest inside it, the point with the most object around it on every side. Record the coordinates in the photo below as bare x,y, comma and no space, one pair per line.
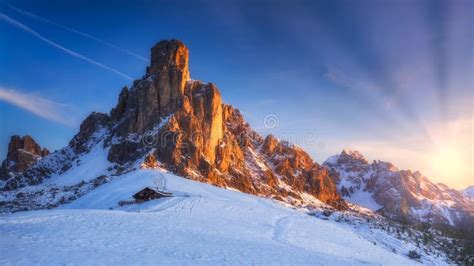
22,153
159,94
382,186
92,132
294,167
90,126
117,112
197,125
186,127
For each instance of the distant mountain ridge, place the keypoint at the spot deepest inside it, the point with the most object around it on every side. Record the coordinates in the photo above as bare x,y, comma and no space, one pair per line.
382,186
468,192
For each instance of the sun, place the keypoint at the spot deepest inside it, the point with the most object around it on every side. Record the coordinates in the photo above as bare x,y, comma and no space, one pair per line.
447,162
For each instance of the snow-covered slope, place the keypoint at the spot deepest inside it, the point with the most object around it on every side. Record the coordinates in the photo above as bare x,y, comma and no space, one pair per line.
468,192
380,185
201,224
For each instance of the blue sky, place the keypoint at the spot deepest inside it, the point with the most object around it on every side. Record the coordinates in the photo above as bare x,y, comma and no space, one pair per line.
392,79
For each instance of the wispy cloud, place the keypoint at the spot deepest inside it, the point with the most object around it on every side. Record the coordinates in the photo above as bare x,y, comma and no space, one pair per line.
62,48
42,19
36,104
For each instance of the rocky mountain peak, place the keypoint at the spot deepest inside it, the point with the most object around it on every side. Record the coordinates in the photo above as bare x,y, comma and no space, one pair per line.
399,192
22,153
160,93
271,145
197,136
26,143
169,55
348,155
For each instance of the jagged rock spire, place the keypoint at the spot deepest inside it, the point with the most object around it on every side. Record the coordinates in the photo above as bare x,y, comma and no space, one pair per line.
169,67
169,55
159,94
22,153
352,155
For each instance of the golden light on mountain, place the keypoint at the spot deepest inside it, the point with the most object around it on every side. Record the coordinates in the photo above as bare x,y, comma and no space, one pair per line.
447,162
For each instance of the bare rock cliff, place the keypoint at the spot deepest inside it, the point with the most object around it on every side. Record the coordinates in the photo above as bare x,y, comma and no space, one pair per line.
22,153
186,127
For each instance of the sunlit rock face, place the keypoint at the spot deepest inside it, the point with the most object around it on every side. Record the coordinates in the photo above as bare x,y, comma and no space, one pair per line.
167,120
169,69
159,93
22,153
382,186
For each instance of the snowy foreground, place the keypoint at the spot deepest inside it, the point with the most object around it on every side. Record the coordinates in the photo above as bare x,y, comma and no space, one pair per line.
202,224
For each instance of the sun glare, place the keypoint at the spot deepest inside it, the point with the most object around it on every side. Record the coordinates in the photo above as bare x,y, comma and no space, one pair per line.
447,162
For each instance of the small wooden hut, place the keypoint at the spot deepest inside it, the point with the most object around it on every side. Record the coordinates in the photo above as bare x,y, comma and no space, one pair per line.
147,194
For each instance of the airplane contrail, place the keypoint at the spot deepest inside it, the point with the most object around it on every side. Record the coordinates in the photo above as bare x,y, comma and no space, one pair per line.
32,15
62,48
